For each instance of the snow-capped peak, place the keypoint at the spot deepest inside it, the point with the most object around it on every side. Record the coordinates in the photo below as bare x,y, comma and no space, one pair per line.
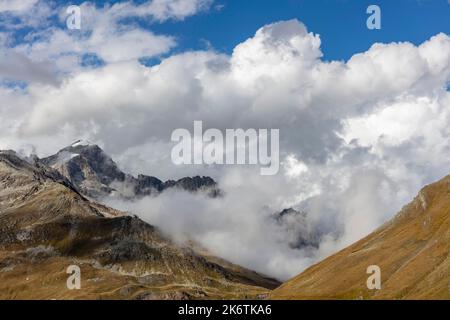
81,143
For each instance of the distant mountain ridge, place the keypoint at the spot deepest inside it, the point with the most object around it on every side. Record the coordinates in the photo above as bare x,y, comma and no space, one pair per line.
96,175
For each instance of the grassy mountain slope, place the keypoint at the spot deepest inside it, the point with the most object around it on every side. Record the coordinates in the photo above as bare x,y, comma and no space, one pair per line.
412,250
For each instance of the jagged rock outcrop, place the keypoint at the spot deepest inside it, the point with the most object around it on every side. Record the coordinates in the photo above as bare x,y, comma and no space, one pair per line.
300,233
96,175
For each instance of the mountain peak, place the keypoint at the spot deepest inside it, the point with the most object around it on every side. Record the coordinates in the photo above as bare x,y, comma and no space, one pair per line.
87,166
83,143
83,147
96,174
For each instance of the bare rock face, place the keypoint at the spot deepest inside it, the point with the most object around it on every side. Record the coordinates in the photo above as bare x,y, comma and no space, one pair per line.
87,167
96,175
146,185
46,225
195,184
300,233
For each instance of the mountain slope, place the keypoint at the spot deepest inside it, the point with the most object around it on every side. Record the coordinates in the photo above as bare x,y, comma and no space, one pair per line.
46,225
412,250
96,175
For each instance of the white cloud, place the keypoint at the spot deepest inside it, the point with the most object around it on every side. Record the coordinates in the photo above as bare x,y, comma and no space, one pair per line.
106,42
103,31
239,226
175,9
17,66
16,5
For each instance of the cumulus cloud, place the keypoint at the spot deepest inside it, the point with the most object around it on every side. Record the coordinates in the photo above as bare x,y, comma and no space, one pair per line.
17,66
357,138
107,33
16,5
162,10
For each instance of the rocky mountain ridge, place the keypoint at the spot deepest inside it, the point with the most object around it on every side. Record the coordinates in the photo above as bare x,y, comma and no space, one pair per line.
96,175
46,225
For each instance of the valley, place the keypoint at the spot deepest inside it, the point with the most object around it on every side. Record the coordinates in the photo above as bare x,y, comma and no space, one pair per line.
50,220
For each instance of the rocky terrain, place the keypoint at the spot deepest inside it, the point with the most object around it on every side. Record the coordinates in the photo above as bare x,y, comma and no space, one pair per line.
47,224
301,234
96,175
412,251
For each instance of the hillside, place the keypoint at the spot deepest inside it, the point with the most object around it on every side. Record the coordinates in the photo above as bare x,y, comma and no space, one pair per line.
412,250
47,225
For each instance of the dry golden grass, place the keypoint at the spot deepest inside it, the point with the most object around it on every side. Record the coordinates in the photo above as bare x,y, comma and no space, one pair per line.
46,278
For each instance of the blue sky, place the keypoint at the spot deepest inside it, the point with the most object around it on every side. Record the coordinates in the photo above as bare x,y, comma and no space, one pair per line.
340,23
